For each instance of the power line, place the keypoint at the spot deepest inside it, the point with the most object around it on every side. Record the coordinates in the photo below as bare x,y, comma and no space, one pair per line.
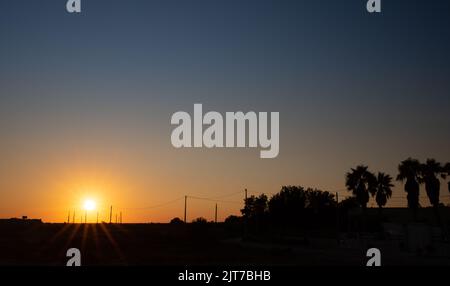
213,200
154,206
395,200
227,195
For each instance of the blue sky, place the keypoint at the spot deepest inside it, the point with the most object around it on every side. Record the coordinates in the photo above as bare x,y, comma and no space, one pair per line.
351,87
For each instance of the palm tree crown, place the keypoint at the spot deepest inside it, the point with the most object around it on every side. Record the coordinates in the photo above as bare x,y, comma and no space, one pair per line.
409,170
383,189
429,175
360,181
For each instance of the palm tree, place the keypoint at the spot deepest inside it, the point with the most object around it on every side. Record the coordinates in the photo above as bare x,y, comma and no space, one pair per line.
359,181
409,170
447,170
383,189
430,172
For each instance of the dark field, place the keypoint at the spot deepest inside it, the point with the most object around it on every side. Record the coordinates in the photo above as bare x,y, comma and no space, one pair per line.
166,244
131,244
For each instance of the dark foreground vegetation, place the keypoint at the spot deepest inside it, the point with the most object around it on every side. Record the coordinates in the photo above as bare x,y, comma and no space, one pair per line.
296,226
235,242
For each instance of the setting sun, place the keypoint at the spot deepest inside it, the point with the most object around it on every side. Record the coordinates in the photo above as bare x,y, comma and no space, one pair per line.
89,205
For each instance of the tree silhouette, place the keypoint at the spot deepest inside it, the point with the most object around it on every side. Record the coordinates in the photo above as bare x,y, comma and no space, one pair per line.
317,199
291,206
383,189
176,220
287,205
447,170
255,207
255,211
409,170
232,219
348,204
200,220
430,172
359,181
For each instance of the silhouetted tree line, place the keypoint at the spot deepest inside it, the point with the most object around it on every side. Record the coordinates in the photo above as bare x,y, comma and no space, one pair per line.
297,206
292,206
363,183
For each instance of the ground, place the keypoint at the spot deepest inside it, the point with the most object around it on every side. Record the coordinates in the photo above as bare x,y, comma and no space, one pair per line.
166,244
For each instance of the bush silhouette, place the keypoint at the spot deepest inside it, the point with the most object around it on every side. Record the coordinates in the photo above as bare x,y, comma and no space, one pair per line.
176,220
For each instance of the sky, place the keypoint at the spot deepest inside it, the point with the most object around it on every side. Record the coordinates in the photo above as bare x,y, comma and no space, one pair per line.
86,99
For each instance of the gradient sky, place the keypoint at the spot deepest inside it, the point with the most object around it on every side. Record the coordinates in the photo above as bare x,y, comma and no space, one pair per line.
86,99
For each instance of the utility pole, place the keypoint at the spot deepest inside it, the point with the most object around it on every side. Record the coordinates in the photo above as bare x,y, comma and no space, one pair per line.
185,206
110,214
215,215
337,216
245,219
116,217
68,217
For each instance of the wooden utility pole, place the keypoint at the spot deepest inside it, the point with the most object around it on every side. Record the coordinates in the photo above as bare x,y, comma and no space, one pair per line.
245,219
337,216
110,214
215,215
185,206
